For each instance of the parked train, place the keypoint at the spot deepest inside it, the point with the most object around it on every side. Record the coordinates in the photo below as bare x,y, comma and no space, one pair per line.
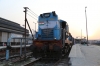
53,38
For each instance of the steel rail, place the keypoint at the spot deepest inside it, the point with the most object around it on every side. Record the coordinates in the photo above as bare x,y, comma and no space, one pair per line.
32,62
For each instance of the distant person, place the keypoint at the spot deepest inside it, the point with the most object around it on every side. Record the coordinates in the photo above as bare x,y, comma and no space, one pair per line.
4,44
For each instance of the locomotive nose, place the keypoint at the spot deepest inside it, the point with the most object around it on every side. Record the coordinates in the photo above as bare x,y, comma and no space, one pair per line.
45,47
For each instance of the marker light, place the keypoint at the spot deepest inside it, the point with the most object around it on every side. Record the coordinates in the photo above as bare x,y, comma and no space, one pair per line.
41,23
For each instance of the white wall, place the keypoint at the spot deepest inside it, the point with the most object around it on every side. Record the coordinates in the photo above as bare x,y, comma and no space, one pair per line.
4,37
16,35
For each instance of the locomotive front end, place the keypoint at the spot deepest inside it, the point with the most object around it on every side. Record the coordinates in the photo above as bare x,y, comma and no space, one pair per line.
48,38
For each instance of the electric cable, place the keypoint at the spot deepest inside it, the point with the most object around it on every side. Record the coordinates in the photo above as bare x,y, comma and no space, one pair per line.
31,16
32,12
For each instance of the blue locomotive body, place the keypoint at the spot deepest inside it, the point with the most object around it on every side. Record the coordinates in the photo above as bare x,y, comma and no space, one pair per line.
49,27
52,36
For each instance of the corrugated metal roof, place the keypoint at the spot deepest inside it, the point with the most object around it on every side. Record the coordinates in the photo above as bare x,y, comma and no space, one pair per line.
10,26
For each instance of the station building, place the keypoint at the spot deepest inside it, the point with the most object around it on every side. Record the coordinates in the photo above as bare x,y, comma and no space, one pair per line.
9,29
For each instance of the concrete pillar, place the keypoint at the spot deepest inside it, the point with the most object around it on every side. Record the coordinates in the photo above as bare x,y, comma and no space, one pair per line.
0,36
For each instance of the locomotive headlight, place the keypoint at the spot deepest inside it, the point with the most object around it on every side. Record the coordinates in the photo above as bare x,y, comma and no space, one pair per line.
34,38
54,38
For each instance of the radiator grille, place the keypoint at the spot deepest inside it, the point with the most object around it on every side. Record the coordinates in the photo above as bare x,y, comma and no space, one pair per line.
47,33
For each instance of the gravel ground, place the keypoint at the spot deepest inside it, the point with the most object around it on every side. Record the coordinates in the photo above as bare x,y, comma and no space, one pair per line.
9,63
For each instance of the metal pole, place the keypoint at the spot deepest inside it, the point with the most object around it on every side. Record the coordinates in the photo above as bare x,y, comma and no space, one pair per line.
25,28
81,35
35,27
86,25
20,47
29,28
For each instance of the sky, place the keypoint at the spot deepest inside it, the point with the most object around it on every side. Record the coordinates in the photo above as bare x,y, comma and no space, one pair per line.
72,11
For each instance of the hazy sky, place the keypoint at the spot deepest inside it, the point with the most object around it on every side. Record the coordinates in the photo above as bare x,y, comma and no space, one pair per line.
72,11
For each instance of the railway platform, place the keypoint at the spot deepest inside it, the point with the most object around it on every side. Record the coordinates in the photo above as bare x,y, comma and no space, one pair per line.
83,55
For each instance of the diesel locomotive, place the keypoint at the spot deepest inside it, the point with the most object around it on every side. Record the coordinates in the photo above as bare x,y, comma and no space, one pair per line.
53,38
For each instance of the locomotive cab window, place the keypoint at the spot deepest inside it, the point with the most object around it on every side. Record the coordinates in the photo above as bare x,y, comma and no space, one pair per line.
46,15
63,25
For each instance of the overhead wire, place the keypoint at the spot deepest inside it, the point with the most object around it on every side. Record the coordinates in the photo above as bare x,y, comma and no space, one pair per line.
31,16
32,12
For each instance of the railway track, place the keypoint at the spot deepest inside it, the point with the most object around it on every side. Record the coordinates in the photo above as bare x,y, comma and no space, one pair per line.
15,58
62,62
43,62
